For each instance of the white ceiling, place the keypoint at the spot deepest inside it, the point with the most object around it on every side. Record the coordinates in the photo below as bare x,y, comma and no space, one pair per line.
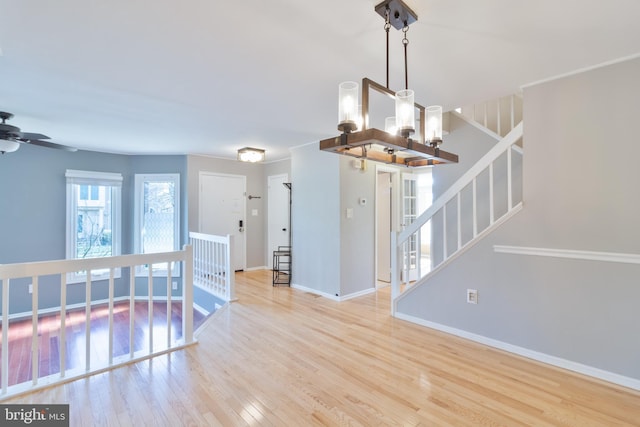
207,77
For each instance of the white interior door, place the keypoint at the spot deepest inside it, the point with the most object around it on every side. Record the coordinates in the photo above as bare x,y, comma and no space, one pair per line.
425,196
278,214
409,214
222,211
383,224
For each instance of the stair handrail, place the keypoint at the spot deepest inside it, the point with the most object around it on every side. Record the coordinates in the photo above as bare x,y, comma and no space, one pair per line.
484,162
400,238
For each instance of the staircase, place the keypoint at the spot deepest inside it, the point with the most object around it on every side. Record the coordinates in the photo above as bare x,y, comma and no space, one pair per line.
479,201
496,117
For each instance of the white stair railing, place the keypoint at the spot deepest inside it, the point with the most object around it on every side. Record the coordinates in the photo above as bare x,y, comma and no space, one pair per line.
13,275
487,202
496,117
212,269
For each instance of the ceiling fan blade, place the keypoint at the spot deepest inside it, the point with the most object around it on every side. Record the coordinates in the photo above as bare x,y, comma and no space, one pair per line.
48,144
32,136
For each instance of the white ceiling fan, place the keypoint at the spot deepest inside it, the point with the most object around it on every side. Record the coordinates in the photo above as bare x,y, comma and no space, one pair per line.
11,137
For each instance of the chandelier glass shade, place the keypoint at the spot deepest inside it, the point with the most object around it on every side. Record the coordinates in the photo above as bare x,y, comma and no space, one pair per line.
348,106
434,125
390,126
405,112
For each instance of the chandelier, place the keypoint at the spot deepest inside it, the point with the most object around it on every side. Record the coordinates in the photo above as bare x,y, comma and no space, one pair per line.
393,145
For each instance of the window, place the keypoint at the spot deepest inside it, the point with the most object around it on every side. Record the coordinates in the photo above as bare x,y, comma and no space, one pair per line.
157,216
89,192
93,217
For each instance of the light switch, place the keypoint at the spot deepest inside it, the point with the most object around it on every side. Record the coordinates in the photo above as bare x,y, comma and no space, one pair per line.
254,212
349,213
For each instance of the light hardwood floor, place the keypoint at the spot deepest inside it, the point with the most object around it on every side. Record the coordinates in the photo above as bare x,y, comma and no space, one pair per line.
282,357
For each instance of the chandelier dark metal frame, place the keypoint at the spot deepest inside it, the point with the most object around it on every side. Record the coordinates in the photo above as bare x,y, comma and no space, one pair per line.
382,146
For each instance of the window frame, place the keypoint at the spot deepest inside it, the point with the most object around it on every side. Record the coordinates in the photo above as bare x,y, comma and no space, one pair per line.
139,181
74,179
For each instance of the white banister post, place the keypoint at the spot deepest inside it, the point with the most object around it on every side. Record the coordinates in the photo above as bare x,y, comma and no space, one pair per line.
419,253
230,273
187,295
5,335
444,232
34,338
475,207
150,305
459,201
62,345
499,111
406,257
87,322
169,291
486,107
111,294
512,113
509,180
217,265
132,309
395,277
492,216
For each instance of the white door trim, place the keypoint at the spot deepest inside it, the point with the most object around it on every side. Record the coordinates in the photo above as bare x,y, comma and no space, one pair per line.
395,207
270,238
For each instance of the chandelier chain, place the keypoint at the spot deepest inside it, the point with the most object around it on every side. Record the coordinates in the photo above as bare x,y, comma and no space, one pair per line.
387,26
405,43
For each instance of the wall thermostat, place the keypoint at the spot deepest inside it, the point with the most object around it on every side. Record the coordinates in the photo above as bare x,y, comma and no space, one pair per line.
360,164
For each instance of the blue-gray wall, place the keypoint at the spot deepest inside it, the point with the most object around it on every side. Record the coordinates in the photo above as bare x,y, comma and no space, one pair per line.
33,212
332,254
315,205
580,193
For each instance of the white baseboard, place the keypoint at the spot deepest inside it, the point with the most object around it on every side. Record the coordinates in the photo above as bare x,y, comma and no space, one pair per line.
263,267
333,297
201,309
210,319
357,294
315,291
601,374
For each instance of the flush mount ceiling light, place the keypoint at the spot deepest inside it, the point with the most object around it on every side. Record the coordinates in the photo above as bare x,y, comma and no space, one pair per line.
394,145
251,155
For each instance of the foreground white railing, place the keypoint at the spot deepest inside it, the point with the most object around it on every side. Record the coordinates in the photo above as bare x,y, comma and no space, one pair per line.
36,270
212,269
454,221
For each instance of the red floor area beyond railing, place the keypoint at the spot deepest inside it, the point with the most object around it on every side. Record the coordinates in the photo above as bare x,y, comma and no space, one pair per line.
20,337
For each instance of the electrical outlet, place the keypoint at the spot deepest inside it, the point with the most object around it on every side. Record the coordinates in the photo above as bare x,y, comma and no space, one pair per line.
174,285
30,288
472,296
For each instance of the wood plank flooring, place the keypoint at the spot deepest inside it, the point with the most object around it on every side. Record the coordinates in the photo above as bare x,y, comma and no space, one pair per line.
21,332
283,357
